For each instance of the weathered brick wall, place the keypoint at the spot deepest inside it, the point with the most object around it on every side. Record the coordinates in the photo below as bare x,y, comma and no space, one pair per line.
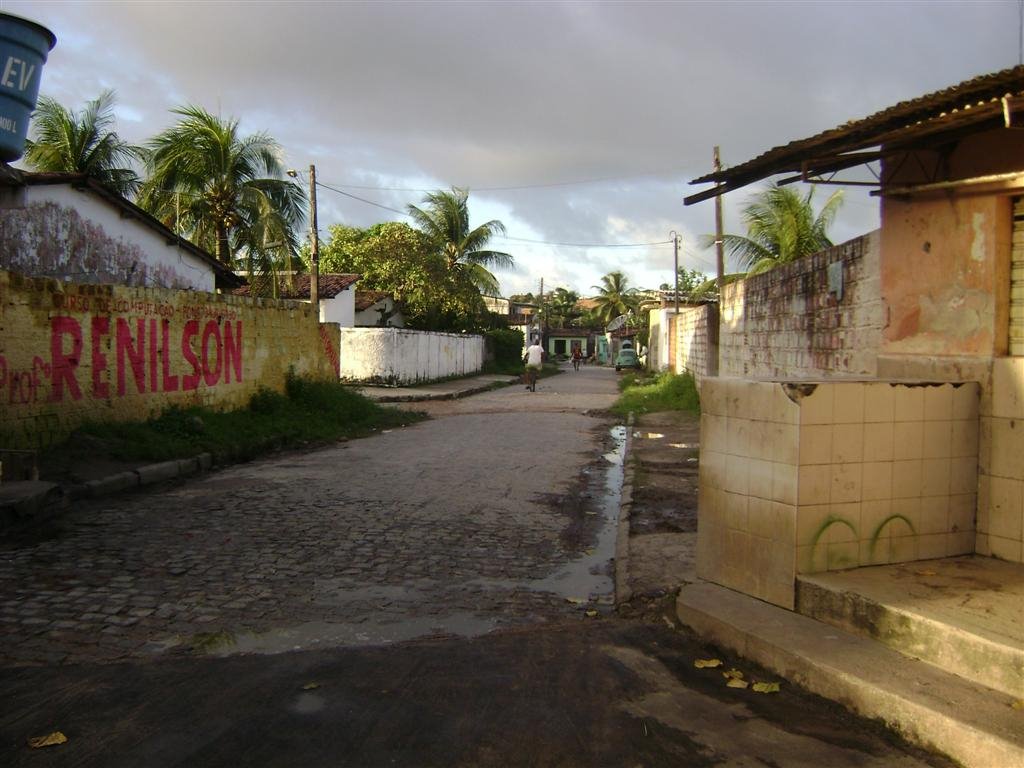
697,341
788,322
71,353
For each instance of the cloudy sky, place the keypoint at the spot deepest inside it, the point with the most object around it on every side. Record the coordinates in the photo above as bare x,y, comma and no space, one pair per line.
571,122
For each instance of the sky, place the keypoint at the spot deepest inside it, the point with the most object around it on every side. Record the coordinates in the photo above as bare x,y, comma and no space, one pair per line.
573,123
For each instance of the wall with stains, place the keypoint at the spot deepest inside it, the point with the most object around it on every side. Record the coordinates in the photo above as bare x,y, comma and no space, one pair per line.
697,341
819,315
945,275
74,352
71,235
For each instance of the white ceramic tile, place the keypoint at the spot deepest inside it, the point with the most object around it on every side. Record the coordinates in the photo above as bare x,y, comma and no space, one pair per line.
848,403
935,476
877,480
846,483
816,408
815,444
879,442
847,443
908,403
814,484
879,402
908,440
938,402
937,439
906,479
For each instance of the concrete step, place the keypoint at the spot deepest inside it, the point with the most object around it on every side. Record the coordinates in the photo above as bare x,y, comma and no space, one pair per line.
973,724
964,614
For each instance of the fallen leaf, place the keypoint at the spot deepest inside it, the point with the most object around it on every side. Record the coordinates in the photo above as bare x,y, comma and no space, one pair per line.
591,614
766,687
1018,704
707,663
50,740
310,686
733,674
575,600
735,682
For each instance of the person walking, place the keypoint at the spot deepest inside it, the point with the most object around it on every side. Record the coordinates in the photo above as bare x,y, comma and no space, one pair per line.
534,359
577,358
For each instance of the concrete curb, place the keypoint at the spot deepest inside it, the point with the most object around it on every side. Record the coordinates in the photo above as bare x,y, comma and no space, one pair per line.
145,475
623,593
456,395
972,724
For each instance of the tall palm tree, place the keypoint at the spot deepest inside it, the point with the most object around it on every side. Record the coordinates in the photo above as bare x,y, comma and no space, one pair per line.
615,297
444,220
83,142
781,227
226,192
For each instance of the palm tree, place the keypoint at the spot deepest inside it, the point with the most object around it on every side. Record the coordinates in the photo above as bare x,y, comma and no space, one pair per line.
226,192
560,307
615,297
444,220
70,142
781,227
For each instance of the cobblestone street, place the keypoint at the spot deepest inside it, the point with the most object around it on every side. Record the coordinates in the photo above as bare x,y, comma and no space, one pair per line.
449,526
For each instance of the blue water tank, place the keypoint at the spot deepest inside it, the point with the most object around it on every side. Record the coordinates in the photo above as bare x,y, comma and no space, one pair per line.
24,46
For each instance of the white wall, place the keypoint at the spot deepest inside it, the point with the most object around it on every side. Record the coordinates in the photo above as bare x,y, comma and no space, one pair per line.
399,356
162,265
370,317
341,309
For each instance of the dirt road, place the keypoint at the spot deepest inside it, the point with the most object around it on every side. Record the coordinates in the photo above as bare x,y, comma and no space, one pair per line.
435,595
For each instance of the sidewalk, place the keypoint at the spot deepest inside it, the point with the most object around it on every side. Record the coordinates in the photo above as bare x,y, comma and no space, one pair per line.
442,390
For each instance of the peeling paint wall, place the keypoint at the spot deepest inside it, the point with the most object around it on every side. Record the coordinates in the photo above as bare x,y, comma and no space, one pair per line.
57,231
945,275
790,322
396,356
71,352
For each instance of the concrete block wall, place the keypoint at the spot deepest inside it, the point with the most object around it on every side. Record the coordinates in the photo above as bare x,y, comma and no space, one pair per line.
696,345
399,356
802,477
70,353
791,322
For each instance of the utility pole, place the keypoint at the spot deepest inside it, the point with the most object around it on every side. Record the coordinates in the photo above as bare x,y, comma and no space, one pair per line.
542,313
675,247
719,242
314,246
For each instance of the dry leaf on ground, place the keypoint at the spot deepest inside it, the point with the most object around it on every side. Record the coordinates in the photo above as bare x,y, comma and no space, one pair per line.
707,663
50,740
310,686
733,674
735,682
766,687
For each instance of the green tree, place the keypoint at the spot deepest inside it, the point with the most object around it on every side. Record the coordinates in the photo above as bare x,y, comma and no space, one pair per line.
781,227
444,220
225,191
560,308
399,260
83,142
615,297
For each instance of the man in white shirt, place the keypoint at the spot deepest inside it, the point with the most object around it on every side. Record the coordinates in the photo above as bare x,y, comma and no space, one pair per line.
534,359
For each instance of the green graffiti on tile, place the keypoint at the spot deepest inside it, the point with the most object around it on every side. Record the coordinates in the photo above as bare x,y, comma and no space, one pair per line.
881,525
828,523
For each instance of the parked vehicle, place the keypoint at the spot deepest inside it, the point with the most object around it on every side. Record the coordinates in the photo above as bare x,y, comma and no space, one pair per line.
627,359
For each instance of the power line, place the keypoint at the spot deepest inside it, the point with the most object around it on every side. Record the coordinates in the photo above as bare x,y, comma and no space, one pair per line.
583,245
514,187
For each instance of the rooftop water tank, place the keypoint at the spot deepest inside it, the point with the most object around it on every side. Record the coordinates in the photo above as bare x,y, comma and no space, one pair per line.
24,46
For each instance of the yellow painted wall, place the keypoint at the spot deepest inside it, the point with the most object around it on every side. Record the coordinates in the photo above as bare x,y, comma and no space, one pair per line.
71,353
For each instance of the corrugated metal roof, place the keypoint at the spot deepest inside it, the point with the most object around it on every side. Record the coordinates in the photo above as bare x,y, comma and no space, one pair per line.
975,102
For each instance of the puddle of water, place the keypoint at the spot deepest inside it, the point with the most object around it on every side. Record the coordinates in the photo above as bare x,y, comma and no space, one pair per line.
684,445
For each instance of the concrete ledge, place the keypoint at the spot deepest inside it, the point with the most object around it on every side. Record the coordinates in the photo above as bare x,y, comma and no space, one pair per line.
969,722
112,484
157,473
25,500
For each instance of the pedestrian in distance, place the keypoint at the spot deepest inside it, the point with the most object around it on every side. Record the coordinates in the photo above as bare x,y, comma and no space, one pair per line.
534,359
577,358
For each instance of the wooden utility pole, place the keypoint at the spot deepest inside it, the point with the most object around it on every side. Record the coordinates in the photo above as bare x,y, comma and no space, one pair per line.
719,242
675,244
314,246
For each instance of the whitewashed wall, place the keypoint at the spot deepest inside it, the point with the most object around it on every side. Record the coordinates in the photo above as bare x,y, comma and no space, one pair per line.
341,309
399,356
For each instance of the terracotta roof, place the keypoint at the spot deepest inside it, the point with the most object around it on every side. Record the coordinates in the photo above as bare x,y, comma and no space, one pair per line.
366,299
569,332
329,286
973,105
13,177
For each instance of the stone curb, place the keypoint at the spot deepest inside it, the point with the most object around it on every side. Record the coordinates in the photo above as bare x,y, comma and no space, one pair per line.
145,475
623,593
456,395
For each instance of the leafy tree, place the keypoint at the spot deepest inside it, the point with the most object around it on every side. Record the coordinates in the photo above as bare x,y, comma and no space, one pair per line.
444,220
781,227
395,258
83,142
615,297
560,307
224,190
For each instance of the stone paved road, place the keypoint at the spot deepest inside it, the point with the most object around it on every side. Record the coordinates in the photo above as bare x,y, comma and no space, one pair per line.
485,516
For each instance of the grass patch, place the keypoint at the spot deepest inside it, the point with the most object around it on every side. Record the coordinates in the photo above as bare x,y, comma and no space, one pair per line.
309,412
646,393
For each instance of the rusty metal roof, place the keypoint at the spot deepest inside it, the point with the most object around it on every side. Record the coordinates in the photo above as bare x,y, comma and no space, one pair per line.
972,105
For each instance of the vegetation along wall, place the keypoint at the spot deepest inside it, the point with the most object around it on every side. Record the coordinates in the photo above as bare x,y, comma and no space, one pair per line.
817,316
71,353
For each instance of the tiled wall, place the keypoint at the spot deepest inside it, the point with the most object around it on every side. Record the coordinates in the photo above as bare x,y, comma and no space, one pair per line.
802,477
1001,503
